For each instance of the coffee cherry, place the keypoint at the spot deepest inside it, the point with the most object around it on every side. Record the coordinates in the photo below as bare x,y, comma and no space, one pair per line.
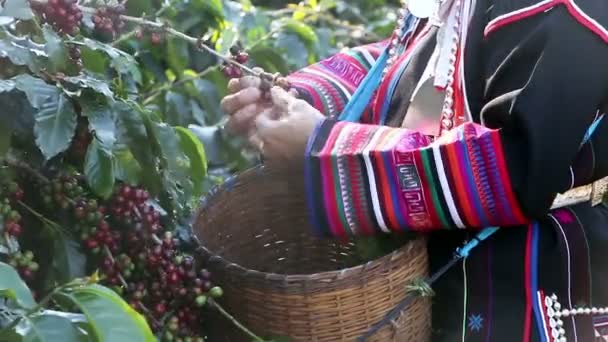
216,292
155,38
242,57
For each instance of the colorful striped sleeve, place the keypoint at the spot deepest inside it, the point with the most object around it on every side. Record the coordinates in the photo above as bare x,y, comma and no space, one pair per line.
381,179
329,84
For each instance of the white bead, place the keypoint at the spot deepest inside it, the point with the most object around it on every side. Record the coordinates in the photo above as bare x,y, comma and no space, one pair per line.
554,333
580,311
451,69
560,323
449,91
449,102
552,322
452,59
550,312
562,331
565,312
558,314
400,23
562,339
447,124
557,306
554,297
602,311
594,310
450,80
587,311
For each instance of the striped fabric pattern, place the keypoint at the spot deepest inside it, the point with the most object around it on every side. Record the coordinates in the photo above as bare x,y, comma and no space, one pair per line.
366,179
329,84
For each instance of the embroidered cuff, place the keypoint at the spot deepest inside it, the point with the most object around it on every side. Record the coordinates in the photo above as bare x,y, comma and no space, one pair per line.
364,179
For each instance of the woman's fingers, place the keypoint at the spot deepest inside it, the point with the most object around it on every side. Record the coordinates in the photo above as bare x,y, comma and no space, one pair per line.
243,120
281,98
232,103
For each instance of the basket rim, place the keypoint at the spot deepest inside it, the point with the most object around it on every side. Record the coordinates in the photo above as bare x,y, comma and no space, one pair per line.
224,263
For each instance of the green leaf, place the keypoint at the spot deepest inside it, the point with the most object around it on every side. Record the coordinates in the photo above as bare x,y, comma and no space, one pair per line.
12,287
101,123
304,32
69,261
91,81
6,85
18,9
36,89
55,125
133,132
121,61
269,59
22,51
49,328
110,317
193,149
99,169
126,168
229,37
177,162
55,49
177,54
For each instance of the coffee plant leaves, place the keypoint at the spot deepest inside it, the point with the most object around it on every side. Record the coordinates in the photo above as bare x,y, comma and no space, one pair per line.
177,54
49,328
303,31
229,37
195,152
121,61
126,168
109,316
69,261
55,49
6,85
55,125
133,133
176,161
99,169
101,123
18,9
12,287
269,59
22,51
90,81
37,90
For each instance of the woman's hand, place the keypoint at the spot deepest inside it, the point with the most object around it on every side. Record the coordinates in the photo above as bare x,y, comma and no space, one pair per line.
244,102
283,130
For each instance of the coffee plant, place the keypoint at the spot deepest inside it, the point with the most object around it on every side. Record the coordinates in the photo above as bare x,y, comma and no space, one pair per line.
110,132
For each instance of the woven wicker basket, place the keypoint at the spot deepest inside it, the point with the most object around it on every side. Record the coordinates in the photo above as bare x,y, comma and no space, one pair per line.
279,280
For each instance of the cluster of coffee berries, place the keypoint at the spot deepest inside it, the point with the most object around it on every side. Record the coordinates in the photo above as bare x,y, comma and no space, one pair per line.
12,190
108,19
10,219
94,229
130,207
64,15
62,191
24,263
237,54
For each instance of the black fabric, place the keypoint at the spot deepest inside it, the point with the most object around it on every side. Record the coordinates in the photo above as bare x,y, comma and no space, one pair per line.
541,80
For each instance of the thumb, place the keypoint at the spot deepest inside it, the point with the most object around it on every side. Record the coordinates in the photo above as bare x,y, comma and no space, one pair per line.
281,98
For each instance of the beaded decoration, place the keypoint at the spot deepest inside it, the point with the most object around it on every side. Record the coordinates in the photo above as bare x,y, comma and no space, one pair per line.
555,315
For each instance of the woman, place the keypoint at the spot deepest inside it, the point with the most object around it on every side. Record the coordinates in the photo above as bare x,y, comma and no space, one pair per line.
476,118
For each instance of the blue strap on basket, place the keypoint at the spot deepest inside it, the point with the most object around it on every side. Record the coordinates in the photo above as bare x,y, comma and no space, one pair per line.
459,254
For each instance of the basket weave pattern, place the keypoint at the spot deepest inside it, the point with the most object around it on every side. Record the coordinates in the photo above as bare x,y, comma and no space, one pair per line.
280,280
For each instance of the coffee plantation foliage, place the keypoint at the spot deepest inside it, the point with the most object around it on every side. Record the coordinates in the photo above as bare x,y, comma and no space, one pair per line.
109,135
